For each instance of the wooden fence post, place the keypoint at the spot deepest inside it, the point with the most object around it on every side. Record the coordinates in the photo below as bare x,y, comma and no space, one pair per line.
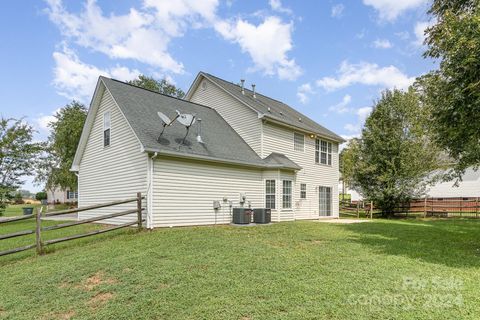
461,207
139,210
476,207
371,209
38,230
425,207
358,212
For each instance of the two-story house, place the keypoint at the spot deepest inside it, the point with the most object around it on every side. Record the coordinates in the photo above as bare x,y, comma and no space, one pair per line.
241,149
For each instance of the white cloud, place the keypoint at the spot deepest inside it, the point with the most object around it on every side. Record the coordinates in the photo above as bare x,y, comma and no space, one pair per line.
144,34
337,10
349,137
139,35
75,79
367,74
267,44
382,44
354,129
419,31
342,106
404,35
304,91
363,113
277,6
390,9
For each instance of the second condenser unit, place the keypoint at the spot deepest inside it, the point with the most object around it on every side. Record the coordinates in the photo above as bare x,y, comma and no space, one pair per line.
262,215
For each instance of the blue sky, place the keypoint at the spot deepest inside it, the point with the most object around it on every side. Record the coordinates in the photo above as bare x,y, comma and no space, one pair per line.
328,59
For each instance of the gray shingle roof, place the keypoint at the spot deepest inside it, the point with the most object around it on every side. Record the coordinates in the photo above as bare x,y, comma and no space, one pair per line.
279,111
221,142
281,160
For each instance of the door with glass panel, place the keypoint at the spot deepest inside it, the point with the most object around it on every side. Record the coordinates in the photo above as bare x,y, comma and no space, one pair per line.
325,201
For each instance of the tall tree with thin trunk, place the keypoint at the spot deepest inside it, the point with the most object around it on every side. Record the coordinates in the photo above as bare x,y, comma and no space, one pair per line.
63,140
18,156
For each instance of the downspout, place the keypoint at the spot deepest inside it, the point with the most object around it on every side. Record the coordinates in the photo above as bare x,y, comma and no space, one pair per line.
150,192
78,192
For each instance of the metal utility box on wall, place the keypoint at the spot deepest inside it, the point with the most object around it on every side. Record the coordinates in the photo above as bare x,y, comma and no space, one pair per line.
242,215
262,215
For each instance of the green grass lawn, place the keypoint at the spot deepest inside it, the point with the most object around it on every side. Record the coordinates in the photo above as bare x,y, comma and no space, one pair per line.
297,270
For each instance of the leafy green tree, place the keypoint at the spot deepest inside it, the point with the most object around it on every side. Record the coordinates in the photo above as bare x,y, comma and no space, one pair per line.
161,86
347,164
63,140
18,156
42,195
453,91
394,157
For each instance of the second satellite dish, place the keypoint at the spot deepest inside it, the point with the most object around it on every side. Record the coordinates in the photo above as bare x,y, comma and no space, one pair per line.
186,119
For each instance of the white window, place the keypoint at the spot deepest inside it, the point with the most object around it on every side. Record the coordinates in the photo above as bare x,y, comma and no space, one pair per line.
106,129
298,142
287,194
323,152
72,195
270,194
303,191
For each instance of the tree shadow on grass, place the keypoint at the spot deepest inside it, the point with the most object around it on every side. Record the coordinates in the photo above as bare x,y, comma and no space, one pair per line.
453,243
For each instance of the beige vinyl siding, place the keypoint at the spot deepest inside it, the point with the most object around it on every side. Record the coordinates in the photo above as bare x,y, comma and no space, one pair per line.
240,117
280,139
184,191
115,172
468,187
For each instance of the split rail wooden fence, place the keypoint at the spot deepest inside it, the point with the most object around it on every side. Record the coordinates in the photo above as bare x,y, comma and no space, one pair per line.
38,231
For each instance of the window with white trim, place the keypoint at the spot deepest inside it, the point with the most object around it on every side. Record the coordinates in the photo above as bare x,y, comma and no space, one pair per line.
106,129
298,141
287,194
270,194
72,195
303,191
323,152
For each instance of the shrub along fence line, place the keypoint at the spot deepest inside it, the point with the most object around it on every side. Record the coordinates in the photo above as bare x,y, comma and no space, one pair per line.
468,207
40,244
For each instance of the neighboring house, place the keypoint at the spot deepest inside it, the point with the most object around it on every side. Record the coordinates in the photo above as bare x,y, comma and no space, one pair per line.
256,152
59,195
469,187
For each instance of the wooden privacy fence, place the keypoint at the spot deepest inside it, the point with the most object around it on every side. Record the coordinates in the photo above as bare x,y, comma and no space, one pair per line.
41,244
428,207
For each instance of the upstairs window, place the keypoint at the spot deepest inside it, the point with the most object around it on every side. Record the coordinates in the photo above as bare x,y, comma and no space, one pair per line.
303,191
287,194
106,129
270,194
323,152
298,141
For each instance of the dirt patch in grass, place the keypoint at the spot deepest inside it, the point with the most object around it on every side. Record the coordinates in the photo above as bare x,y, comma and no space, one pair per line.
60,315
94,281
100,299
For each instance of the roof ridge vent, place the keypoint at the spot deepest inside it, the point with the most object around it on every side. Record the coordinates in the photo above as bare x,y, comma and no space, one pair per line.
253,89
242,81
269,110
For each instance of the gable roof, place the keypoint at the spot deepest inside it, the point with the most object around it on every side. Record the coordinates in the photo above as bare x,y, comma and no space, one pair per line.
269,108
140,107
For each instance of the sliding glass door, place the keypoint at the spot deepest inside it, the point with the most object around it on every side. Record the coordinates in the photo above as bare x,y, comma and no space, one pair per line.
325,201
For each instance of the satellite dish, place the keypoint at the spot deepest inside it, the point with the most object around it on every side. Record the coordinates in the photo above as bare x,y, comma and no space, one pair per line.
166,122
187,120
